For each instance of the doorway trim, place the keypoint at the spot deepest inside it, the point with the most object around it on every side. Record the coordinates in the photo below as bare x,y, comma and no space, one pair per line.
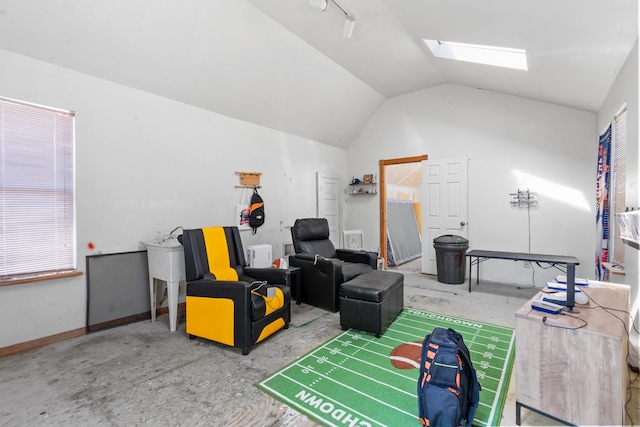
329,204
383,197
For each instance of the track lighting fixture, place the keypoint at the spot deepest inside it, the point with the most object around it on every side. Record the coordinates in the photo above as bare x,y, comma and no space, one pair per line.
318,4
349,19
347,28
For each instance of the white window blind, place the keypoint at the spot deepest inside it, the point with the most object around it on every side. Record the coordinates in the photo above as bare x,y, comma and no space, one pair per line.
37,218
619,178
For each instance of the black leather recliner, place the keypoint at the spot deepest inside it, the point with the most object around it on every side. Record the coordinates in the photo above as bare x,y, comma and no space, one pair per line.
324,268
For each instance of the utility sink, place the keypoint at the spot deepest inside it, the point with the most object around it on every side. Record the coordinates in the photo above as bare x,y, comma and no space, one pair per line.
168,243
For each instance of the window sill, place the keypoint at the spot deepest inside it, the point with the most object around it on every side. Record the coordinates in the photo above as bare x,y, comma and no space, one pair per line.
615,269
16,280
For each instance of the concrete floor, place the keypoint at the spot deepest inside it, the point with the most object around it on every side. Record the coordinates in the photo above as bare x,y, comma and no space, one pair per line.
143,375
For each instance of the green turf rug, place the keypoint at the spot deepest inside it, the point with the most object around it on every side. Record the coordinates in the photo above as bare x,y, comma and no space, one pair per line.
353,379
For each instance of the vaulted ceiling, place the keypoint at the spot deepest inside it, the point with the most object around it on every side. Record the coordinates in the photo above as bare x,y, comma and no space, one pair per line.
284,65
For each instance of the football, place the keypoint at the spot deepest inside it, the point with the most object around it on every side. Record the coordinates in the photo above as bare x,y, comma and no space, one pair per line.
406,355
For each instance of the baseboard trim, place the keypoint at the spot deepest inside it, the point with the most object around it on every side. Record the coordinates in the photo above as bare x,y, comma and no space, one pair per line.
164,310
118,322
40,342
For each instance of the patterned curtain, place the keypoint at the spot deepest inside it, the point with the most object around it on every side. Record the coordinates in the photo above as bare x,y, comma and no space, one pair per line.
602,204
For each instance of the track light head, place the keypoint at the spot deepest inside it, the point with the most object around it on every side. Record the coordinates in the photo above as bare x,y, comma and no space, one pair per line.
349,19
318,4
349,24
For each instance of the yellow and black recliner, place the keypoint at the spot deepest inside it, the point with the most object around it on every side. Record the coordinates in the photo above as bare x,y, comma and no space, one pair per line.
226,301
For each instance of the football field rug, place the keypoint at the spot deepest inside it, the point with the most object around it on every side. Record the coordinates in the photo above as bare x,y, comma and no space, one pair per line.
358,380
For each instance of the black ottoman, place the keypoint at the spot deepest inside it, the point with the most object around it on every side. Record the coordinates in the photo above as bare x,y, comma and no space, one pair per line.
371,301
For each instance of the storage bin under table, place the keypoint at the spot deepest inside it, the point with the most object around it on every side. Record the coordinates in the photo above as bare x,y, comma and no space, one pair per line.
371,301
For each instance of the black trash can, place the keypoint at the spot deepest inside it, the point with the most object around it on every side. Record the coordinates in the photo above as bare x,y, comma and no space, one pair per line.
451,260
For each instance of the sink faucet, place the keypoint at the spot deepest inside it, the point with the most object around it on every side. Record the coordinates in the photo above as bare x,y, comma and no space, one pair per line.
170,236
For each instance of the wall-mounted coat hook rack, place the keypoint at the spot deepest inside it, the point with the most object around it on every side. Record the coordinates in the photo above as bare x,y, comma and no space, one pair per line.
249,179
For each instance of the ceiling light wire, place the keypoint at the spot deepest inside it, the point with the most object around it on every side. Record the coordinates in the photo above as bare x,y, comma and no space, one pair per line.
349,19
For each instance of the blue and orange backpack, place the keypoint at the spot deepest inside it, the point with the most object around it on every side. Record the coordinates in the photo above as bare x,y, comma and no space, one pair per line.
448,388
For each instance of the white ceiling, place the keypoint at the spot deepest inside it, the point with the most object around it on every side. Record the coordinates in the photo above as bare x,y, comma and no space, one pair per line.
283,65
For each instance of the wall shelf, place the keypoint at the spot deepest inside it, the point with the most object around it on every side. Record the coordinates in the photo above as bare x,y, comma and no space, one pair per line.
363,189
249,179
614,269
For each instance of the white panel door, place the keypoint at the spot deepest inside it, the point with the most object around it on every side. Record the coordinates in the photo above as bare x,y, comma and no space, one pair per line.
329,191
444,204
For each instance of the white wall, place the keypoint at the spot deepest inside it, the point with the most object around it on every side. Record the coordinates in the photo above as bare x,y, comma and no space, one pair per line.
506,139
625,91
146,164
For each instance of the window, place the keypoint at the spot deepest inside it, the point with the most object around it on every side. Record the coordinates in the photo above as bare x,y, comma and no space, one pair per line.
619,181
480,54
37,196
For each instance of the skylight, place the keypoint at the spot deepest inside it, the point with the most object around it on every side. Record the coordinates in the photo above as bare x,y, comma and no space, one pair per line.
480,54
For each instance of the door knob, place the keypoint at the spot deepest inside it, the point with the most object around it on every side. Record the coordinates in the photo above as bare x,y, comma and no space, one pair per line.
462,223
